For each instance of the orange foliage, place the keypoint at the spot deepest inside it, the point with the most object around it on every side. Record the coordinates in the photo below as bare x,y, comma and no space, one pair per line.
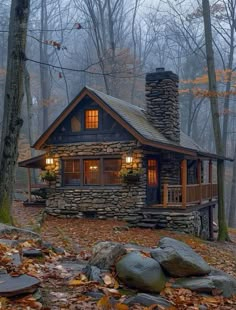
198,86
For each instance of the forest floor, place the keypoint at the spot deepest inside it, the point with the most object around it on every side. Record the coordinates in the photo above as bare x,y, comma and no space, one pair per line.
81,234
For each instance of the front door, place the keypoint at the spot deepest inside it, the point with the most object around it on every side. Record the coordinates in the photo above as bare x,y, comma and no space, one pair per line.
153,182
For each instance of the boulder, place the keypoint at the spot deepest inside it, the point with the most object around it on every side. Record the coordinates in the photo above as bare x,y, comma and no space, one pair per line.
141,272
105,254
179,260
93,273
32,253
12,286
215,284
147,300
135,247
22,233
10,243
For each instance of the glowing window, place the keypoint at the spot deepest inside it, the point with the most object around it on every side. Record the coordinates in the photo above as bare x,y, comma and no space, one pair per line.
91,119
91,171
71,175
111,169
152,172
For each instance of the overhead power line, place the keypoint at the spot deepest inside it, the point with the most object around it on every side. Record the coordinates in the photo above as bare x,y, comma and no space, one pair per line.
111,74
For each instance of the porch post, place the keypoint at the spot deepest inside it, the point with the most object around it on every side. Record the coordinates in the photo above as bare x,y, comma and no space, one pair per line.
29,184
165,195
210,178
184,182
199,179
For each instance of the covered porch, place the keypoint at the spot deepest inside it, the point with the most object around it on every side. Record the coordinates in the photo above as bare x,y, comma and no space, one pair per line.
200,190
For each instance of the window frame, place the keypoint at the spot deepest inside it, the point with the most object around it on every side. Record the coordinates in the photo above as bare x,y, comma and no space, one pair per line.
81,163
98,121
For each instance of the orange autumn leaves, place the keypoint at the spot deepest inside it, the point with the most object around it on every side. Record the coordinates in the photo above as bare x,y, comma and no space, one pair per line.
198,87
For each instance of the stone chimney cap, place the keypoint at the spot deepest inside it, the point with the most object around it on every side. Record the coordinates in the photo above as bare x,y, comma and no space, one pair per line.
161,74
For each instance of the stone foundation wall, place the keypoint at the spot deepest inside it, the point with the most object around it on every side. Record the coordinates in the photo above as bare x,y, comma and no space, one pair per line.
194,222
119,201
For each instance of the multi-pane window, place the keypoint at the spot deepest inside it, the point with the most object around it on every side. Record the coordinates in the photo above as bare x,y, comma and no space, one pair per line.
111,169
102,171
152,172
91,119
91,172
71,171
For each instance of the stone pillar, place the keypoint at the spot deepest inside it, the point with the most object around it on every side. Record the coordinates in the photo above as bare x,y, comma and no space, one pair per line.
162,102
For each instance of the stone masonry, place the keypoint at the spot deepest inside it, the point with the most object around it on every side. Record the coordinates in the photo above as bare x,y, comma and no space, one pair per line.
195,222
121,201
162,103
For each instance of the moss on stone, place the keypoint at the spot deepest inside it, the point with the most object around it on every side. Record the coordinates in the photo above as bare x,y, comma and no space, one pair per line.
5,210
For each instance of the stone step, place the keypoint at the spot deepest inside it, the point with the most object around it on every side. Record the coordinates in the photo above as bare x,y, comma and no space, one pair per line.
146,225
149,221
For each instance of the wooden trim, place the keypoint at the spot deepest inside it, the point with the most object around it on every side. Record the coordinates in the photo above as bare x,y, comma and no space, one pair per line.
165,195
199,178
184,182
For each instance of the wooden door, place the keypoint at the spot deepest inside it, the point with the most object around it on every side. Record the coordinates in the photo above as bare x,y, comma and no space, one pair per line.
153,183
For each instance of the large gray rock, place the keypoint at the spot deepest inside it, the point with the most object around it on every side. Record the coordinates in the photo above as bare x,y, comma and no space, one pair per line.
106,253
141,272
93,273
147,300
179,260
12,286
220,283
22,233
8,242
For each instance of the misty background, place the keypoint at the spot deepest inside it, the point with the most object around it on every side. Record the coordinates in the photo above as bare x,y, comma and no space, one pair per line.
110,45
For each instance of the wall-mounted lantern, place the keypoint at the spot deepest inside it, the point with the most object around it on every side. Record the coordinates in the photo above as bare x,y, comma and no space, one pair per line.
129,159
49,159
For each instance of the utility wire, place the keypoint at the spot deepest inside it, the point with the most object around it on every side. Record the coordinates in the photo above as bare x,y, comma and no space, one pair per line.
111,74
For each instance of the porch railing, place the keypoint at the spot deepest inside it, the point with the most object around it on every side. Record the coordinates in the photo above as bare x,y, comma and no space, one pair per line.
177,196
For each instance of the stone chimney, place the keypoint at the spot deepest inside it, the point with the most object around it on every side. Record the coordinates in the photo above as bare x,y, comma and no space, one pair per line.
162,102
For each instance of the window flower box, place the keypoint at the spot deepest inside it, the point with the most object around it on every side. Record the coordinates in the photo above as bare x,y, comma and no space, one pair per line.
130,175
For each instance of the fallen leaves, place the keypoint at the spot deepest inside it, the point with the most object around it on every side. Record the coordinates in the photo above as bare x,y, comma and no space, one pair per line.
106,303
185,299
61,290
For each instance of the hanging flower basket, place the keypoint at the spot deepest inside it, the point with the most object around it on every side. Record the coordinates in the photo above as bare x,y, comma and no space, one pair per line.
48,175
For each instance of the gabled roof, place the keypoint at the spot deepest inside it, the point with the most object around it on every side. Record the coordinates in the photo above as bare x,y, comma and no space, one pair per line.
131,117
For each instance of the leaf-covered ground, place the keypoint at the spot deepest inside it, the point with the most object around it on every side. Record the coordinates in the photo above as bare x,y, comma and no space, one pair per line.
81,234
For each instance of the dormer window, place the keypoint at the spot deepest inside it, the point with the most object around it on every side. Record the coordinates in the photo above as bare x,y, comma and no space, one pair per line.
91,119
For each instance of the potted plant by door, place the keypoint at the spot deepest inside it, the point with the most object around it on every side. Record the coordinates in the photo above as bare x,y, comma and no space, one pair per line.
130,175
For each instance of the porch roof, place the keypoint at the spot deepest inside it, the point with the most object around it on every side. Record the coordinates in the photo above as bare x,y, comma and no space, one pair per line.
34,162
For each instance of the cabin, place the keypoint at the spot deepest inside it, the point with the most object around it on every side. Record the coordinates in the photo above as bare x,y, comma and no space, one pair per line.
106,158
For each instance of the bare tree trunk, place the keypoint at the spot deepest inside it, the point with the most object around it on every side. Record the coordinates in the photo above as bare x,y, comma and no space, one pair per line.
135,51
232,207
29,114
223,230
44,70
14,94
